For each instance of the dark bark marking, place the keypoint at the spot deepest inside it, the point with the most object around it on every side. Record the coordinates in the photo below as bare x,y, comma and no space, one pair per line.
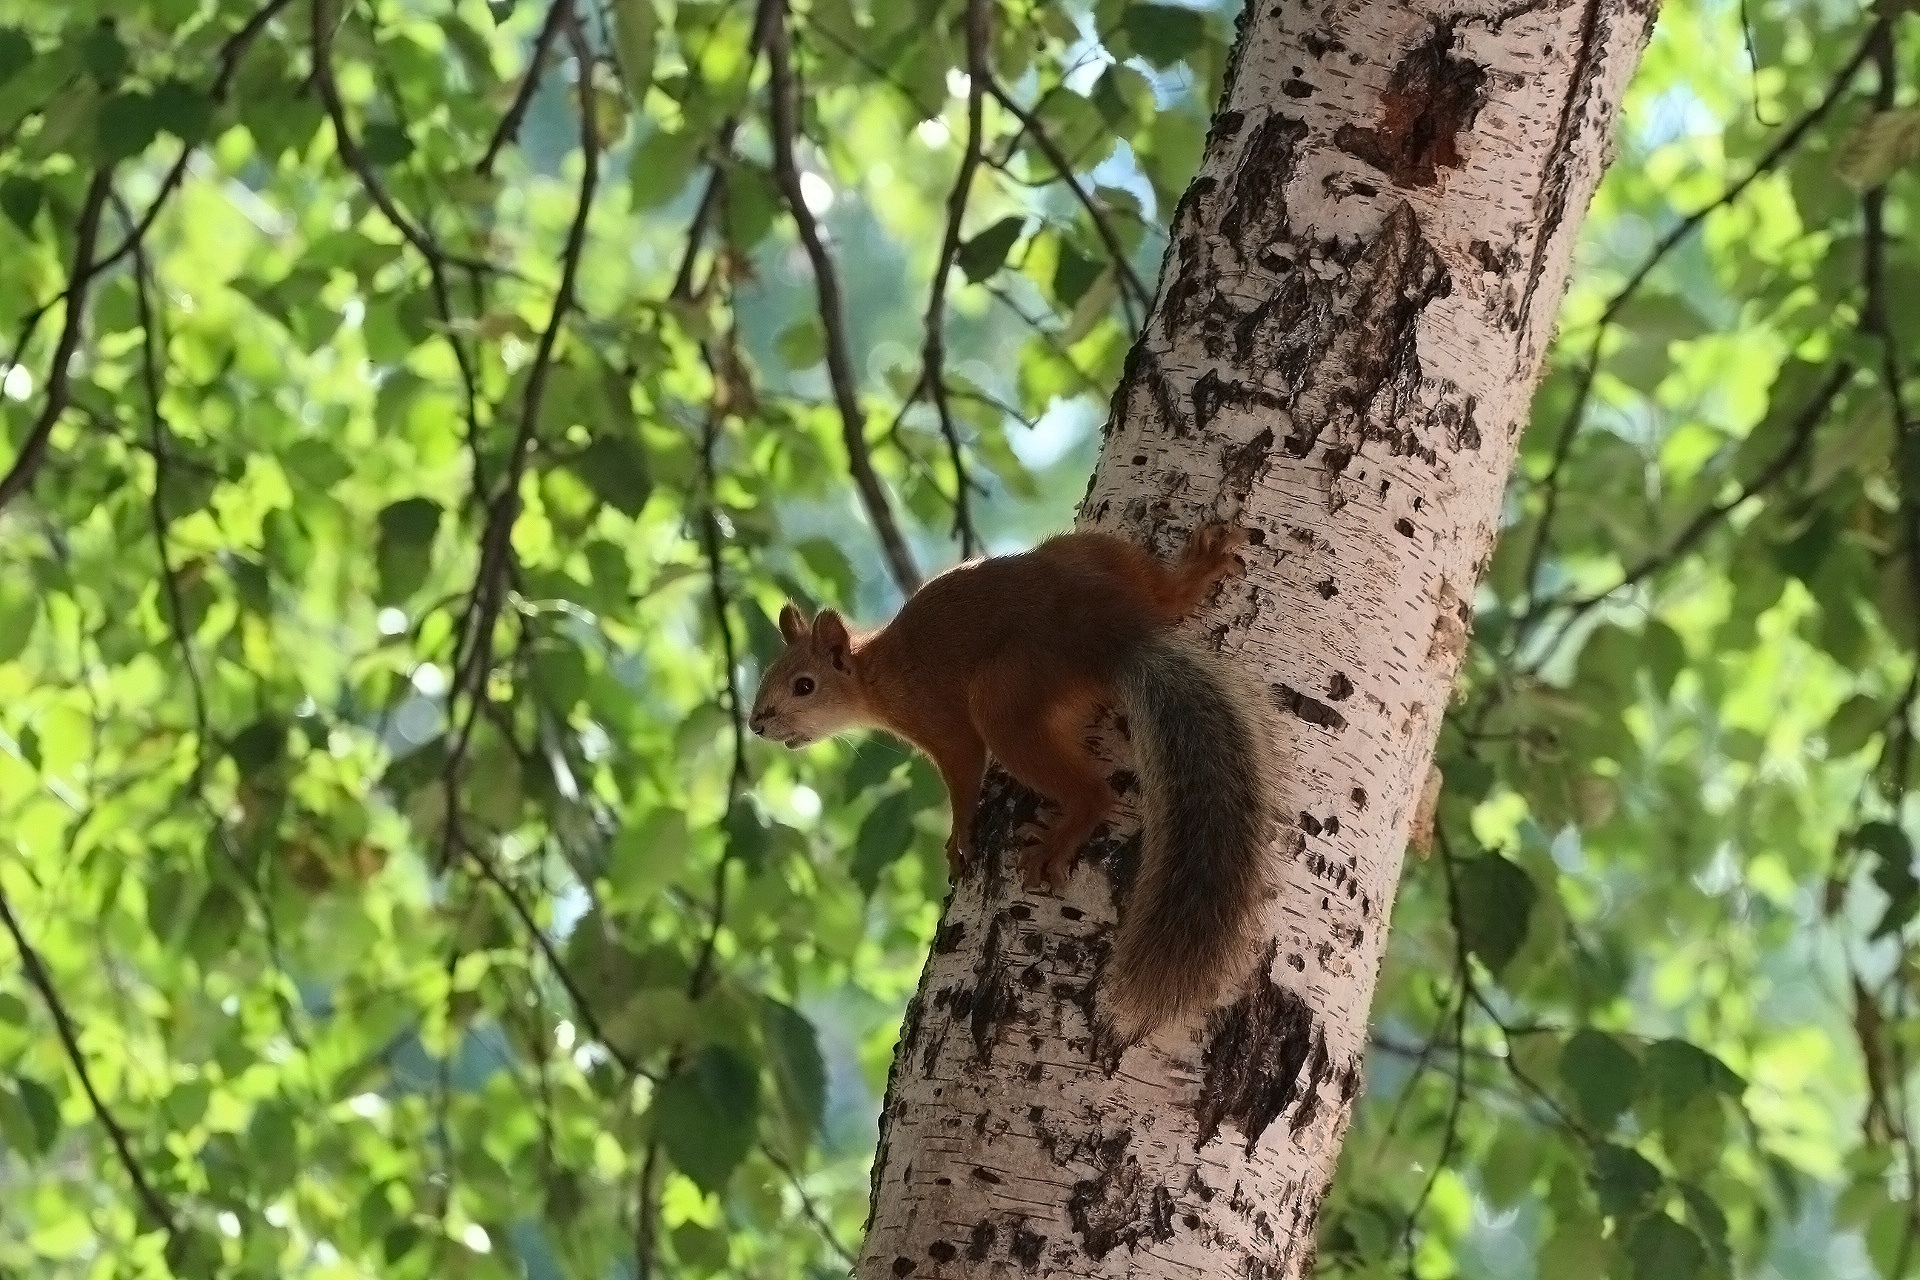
1339,688
946,939
904,1266
1320,45
1310,709
991,998
942,1251
1404,527
1432,97
1327,589
1243,462
1257,206
1263,1051
1026,1247
1296,88
1309,823
1117,1206
980,1243
1359,797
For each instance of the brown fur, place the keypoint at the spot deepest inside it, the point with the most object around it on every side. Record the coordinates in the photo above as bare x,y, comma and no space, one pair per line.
1010,656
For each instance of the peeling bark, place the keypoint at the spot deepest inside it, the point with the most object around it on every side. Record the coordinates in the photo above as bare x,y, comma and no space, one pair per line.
1352,313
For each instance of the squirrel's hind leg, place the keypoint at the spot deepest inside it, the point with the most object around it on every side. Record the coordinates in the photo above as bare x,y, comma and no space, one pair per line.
1035,734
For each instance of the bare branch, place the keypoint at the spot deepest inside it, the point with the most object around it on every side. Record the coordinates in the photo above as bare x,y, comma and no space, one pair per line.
474,655
42,981
1583,388
509,130
1776,469
1131,284
33,450
786,172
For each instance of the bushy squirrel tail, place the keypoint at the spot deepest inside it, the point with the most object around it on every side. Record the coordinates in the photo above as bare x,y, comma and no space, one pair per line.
1203,748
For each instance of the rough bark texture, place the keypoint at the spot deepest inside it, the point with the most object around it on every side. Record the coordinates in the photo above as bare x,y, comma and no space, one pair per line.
1361,284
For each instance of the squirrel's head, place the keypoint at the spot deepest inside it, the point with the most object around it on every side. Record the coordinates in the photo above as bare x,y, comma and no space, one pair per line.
810,691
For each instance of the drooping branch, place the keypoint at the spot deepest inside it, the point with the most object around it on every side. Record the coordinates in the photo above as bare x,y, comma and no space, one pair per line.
42,982
1130,282
473,658
33,450
1799,440
786,171
933,360
1590,368
558,14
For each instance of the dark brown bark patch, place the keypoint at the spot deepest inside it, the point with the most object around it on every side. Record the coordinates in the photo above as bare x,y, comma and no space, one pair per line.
1256,213
1307,708
1432,98
1263,1051
1118,1206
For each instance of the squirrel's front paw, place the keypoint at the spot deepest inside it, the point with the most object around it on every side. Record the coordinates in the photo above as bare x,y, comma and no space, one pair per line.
956,857
1045,868
1219,544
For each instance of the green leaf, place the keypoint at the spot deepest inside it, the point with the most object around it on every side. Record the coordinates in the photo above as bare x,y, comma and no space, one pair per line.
43,1111
1853,725
16,51
636,29
799,1072
127,126
19,611
1677,1072
217,924
1893,872
1074,274
405,552
803,343
21,199
386,144
646,857
1878,147
1601,1074
883,839
746,828
615,467
183,110
1662,1249
1496,906
706,1117
1623,1179
104,56
987,252
1164,34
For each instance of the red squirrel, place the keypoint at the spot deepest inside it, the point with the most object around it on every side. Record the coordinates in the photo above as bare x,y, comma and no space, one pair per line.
1011,655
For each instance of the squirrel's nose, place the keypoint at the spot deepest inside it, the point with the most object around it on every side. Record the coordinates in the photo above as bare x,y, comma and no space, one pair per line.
758,721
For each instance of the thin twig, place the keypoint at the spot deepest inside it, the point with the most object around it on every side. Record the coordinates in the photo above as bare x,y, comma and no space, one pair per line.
808,1208
933,359
42,981
786,128
1131,285
33,450
1776,469
509,130
1590,370
473,659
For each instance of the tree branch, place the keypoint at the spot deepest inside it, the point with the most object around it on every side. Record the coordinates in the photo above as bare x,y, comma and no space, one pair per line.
33,451
36,971
509,130
785,92
1590,370
473,655
1131,284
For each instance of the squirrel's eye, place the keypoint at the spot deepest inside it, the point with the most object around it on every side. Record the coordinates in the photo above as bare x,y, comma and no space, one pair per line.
803,686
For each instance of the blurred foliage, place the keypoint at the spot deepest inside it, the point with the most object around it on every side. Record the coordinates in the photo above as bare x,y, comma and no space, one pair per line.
391,529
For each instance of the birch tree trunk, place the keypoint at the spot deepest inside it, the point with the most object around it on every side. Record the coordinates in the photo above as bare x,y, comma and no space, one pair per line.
1359,290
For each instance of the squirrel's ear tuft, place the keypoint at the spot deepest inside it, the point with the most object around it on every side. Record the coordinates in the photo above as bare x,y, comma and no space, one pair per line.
793,627
830,637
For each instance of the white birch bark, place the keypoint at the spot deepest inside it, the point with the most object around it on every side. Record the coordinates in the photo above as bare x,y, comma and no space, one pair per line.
1352,314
